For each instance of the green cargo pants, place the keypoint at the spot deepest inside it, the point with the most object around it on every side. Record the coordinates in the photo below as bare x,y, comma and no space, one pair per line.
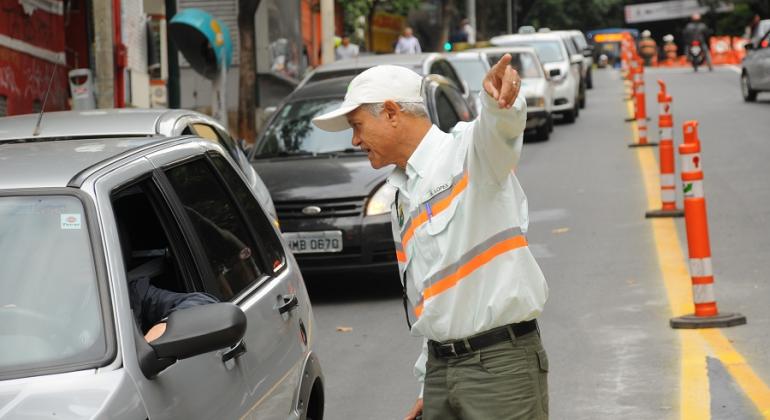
505,381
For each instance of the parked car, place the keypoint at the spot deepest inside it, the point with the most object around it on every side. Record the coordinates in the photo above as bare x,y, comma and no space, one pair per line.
755,69
581,44
552,52
81,218
423,64
535,85
135,122
576,54
334,208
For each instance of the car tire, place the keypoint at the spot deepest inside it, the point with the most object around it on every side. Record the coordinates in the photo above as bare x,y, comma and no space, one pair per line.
749,94
570,116
542,133
590,79
577,109
550,123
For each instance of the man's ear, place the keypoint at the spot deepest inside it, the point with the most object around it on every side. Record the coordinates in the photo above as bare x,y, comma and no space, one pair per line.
392,110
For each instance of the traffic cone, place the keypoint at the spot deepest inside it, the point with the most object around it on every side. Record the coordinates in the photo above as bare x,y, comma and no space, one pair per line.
641,120
637,85
666,158
706,313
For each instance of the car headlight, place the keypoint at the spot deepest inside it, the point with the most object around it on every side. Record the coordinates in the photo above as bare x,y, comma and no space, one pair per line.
535,102
381,200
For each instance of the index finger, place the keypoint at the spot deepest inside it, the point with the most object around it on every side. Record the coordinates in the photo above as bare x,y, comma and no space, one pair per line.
502,63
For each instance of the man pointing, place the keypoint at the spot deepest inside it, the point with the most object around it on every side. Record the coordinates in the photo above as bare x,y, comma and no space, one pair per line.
459,220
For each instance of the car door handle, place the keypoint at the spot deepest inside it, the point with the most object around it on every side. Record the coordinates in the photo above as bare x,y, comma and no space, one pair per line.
289,302
234,352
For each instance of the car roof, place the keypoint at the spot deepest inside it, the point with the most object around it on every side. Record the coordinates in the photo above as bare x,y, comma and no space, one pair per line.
366,61
128,122
502,39
52,163
468,55
511,49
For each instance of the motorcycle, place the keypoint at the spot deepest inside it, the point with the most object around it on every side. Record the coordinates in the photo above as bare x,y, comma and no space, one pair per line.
696,54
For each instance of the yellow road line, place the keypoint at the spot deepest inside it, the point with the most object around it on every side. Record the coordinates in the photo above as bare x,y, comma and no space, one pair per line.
694,395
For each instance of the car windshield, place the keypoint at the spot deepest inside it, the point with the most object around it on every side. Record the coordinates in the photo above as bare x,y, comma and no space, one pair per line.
291,132
525,64
50,314
547,51
472,71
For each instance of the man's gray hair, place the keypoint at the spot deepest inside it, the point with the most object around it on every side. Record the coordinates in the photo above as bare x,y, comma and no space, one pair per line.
416,109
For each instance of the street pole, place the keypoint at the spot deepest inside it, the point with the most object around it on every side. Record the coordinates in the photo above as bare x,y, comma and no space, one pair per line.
508,15
515,13
103,54
327,31
470,7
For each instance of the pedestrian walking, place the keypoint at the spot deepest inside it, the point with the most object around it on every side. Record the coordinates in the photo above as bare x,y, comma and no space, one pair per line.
408,43
459,219
669,48
346,49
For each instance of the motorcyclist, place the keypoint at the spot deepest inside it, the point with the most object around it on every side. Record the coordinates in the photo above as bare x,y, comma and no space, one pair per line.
698,31
648,48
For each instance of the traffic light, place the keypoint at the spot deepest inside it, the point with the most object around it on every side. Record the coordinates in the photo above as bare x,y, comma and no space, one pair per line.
447,46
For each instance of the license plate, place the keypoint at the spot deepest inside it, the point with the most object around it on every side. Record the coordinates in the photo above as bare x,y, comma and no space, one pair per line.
307,242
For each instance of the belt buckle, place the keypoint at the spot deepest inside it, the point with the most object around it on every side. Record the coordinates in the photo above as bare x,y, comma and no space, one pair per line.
452,348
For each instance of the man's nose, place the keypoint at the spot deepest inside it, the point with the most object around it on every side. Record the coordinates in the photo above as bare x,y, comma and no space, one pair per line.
355,140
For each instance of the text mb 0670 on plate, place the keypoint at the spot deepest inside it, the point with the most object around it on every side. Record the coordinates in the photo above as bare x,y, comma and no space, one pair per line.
307,242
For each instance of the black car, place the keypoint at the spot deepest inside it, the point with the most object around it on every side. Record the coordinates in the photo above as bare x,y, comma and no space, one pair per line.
333,207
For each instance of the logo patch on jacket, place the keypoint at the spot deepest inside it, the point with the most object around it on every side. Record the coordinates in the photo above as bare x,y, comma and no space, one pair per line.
400,213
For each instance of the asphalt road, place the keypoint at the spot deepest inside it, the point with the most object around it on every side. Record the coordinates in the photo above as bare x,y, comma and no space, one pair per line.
605,326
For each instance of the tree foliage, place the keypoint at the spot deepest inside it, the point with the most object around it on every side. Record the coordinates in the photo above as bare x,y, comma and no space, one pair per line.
355,8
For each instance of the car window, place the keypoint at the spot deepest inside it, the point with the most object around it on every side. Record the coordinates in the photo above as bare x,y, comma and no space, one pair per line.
291,131
570,45
220,228
50,310
472,71
270,244
325,75
525,64
579,42
443,68
547,51
447,115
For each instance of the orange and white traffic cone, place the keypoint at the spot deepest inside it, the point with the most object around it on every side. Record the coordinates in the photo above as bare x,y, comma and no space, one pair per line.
666,158
706,313
641,118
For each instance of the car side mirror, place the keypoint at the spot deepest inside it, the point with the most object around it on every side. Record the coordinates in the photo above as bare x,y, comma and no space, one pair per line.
554,73
588,51
191,332
576,59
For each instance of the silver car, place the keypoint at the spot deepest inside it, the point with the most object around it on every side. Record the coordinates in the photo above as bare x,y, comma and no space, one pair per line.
553,53
135,122
80,221
473,65
755,68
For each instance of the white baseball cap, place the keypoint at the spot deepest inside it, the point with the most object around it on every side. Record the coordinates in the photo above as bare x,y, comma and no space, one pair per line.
375,85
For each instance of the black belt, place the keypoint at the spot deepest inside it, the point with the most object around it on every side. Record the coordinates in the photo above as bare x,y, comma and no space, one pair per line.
479,341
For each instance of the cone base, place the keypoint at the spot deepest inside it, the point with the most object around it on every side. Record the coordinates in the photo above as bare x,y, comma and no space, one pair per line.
722,320
630,119
648,144
664,213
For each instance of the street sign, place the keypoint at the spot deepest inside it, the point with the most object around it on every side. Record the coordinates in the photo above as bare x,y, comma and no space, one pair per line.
665,10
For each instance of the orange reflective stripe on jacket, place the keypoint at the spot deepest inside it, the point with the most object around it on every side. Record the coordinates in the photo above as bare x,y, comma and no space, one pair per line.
437,204
445,279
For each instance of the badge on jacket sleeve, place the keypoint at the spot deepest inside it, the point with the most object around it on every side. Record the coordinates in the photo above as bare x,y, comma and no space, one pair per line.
400,213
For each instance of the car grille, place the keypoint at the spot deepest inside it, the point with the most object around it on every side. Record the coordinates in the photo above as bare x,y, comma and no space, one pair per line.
344,207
